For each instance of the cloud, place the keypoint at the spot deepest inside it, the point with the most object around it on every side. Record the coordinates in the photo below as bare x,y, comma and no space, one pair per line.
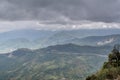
41,25
60,10
59,14
16,25
84,24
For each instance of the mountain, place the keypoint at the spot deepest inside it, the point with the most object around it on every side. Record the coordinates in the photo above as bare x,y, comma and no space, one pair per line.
30,34
110,69
108,40
13,40
73,48
59,62
62,37
54,55
34,39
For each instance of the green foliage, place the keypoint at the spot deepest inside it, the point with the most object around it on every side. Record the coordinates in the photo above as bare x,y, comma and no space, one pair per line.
110,69
93,77
47,64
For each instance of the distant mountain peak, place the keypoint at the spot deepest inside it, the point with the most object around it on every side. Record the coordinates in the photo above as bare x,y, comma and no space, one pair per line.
20,52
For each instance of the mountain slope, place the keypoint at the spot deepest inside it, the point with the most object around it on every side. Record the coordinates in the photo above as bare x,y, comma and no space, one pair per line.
51,63
73,48
34,39
110,69
97,40
13,40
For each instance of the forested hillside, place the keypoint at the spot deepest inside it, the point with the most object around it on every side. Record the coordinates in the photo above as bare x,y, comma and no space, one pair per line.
60,62
110,69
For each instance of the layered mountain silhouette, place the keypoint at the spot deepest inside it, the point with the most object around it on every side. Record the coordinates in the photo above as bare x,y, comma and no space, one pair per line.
34,39
54,55
68,61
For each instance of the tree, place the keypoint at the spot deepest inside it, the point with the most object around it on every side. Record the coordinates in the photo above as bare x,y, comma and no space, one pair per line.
114,57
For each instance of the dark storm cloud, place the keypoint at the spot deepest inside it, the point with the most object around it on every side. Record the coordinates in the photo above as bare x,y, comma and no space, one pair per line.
60,10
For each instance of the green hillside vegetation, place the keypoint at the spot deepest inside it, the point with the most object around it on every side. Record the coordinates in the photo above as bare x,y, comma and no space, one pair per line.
110,69
60,62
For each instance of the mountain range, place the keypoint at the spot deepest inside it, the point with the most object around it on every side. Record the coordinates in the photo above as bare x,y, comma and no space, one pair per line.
54,55
59,62
34,39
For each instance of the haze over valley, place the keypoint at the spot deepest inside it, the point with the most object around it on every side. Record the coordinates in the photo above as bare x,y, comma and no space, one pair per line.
59,39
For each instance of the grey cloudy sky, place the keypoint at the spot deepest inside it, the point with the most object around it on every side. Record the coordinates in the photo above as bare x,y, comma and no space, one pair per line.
95,10
59,11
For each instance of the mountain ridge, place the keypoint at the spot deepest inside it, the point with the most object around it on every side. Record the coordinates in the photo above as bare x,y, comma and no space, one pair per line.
39,39
53,62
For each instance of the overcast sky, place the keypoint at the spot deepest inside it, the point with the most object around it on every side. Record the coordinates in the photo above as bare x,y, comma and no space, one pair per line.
51,14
